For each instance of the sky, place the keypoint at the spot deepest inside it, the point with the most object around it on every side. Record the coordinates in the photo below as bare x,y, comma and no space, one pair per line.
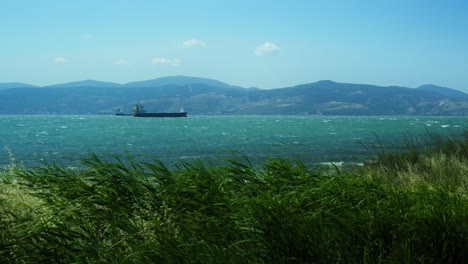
249,43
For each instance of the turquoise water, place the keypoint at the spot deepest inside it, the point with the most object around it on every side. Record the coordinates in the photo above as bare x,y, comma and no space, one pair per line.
66,140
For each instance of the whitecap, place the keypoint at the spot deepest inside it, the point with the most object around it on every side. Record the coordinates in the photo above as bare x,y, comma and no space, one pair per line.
42,133
338,164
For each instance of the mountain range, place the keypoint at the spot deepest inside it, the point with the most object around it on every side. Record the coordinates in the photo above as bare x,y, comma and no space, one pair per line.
212,97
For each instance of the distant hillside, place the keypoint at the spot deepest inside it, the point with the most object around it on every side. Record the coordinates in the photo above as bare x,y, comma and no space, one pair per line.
86,83
443,90
177,80
210,97
14,85
331,98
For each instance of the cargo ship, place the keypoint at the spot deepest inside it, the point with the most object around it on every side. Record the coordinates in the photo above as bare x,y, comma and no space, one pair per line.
120,113
139,111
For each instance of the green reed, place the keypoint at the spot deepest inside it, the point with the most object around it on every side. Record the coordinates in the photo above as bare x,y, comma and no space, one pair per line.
397,209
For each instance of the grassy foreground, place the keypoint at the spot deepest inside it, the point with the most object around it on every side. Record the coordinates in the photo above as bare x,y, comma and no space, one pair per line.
409,207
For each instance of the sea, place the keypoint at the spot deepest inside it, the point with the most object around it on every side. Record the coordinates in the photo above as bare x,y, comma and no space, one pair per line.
32,140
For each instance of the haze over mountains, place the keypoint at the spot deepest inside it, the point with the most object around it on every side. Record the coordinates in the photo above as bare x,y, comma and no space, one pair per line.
211,97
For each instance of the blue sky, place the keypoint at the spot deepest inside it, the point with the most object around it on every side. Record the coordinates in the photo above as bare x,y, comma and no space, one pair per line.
259,43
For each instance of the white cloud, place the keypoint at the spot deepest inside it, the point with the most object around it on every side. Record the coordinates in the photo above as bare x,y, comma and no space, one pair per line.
86,36
122,62
266,48
165,61
60,60
192,43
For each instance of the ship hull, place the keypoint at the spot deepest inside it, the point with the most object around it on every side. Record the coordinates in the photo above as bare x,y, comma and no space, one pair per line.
180,114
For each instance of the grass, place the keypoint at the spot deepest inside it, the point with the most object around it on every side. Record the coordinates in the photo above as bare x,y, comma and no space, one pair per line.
403,207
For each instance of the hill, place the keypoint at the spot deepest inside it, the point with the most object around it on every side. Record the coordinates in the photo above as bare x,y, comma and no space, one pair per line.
443,90
14,85
177,80
86,83
211,97
331,98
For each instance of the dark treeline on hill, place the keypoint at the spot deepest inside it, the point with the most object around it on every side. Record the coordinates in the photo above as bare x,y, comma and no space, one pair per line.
211,97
